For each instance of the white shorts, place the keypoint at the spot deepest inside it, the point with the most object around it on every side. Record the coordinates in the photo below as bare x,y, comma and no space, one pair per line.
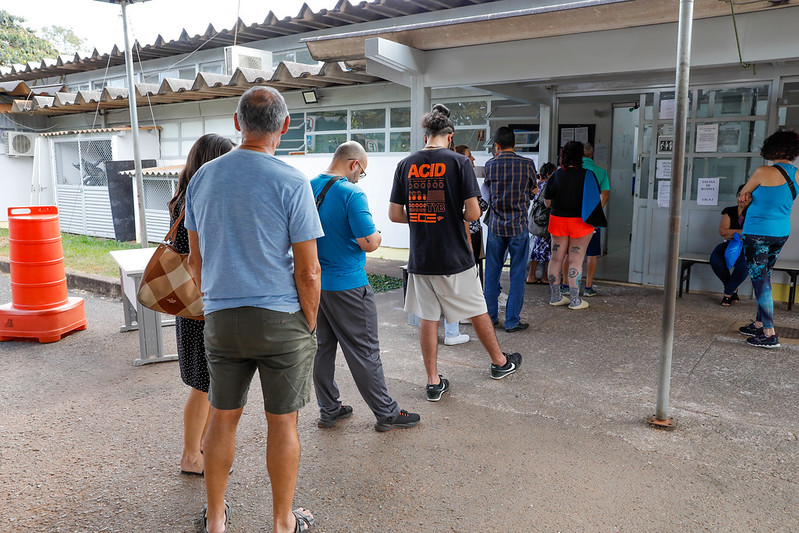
458,296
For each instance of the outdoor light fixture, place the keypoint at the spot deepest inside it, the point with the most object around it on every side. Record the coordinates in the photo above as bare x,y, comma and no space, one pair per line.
310,97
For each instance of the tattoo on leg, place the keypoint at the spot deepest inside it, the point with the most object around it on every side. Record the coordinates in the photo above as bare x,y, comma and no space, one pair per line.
575,250
555,247
552,279
573,273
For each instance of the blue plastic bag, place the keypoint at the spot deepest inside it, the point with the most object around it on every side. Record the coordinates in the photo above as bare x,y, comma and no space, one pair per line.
733,251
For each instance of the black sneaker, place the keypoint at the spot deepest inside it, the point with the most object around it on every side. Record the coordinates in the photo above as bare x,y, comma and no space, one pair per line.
761,341
750,330
513,364
434,392
521,326
403,420
345,411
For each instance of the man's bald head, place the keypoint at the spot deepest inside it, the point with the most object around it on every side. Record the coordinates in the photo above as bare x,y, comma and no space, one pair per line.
588,150
350,161
349,150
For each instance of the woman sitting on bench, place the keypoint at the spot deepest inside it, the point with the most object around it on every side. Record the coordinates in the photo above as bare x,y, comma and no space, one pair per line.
732,222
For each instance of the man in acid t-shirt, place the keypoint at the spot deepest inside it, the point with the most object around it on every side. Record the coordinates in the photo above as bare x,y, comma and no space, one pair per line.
434,191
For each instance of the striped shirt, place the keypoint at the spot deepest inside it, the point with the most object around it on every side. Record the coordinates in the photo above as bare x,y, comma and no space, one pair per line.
511,180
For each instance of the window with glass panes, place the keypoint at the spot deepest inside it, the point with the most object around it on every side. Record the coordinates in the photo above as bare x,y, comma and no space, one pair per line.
788,108
379,129
726,128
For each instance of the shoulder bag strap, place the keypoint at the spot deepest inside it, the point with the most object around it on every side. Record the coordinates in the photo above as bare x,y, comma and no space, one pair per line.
321,197
173,231
787,179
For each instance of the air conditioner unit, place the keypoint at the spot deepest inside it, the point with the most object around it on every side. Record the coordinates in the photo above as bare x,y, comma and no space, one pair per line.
21,144
241,56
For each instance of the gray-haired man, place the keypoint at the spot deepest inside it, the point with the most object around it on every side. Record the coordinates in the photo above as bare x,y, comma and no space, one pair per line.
252,231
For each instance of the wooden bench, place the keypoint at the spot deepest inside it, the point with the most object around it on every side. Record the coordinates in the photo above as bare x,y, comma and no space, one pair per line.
689,259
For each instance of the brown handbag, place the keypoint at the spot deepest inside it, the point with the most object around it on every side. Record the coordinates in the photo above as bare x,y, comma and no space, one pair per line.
166,285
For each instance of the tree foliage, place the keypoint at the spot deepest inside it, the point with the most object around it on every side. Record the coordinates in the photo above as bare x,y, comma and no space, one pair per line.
63,39
19,44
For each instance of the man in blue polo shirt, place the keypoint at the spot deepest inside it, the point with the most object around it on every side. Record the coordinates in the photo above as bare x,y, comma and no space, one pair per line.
347,311
252,233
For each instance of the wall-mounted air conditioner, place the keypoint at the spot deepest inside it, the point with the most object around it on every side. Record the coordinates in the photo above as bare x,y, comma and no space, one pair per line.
20,144
241,56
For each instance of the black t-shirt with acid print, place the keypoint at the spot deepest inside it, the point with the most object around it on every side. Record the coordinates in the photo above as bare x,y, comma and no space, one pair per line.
433,185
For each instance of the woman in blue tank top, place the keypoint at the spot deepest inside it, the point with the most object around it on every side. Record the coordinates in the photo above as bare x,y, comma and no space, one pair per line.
771,190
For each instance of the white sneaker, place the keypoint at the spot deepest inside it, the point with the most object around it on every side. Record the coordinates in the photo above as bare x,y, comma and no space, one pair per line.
460,339
502,299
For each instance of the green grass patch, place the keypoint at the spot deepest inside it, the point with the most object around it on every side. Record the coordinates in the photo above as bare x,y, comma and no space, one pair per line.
382,283
83,253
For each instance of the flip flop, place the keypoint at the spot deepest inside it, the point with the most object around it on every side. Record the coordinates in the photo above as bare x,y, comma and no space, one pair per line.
205,518
304,520
201,474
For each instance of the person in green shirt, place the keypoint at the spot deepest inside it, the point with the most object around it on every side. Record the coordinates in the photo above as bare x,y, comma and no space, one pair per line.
595,246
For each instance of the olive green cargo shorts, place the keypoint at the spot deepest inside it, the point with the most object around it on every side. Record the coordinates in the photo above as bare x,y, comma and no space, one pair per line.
280,345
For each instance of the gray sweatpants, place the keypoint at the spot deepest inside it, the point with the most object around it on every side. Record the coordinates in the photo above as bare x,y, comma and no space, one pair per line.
349,318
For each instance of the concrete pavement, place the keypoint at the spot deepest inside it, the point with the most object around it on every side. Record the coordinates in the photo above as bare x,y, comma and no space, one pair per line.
88,442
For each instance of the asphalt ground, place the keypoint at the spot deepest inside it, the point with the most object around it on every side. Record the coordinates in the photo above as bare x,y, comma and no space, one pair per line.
89,442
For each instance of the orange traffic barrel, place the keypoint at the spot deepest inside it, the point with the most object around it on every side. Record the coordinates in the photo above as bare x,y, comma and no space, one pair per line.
40,308
38,280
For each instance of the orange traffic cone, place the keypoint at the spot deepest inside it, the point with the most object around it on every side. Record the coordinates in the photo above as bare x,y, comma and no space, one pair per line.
40,307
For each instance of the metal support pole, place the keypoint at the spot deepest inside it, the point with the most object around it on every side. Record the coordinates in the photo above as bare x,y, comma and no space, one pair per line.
661,417
134,127
420,104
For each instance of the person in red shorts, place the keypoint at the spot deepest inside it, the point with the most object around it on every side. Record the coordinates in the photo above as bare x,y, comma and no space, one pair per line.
564,195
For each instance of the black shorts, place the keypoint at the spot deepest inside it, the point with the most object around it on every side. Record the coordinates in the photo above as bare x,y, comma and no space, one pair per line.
595,246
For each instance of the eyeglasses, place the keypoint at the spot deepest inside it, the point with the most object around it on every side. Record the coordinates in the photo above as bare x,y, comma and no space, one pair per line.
363,172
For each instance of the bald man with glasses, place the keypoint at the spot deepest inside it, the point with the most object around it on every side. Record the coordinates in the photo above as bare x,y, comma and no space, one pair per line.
347,310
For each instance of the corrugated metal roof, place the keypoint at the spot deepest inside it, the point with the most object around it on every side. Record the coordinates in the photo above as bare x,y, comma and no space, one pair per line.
93,130
170,171
205,86
343,14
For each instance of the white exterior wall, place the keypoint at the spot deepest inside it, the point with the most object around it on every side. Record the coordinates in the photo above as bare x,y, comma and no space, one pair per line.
377,186
15,182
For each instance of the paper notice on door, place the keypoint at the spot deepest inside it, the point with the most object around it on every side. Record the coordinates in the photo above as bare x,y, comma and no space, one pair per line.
707,137
663,169
667,109
566,135
664,193
581,134
707,191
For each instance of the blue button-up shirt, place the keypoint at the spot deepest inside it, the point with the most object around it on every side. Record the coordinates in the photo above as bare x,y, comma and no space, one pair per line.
511,180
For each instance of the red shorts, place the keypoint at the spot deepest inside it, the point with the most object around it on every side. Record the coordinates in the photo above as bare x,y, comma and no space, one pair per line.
573,227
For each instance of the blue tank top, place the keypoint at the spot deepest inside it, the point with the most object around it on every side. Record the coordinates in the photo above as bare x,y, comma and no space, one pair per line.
769,214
